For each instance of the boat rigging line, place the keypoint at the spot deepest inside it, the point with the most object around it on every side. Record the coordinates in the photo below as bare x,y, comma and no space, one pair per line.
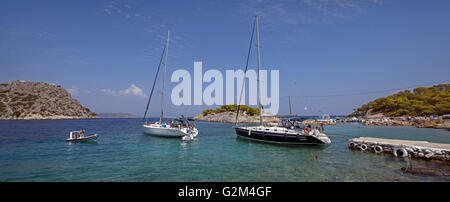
154,82
368,92
245,72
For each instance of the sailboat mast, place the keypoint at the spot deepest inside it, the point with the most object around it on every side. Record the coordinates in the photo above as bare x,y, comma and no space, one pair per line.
259,79
164,76
290,108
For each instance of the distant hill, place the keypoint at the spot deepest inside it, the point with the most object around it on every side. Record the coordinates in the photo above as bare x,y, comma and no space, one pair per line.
232,108
117,115
422,101
20,100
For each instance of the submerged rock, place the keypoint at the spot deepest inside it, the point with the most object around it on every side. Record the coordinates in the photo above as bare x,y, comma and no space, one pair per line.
424,171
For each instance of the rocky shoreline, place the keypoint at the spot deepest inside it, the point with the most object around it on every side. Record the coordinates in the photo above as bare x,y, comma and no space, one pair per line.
50,118
419,122
230,117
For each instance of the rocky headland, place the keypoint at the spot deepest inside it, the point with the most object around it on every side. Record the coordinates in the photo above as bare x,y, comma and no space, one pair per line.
424,107
20,100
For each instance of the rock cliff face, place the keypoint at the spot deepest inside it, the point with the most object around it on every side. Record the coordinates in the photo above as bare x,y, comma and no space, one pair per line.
20,100
230,117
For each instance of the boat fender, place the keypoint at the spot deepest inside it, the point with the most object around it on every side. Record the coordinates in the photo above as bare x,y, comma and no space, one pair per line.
400,152
352,145
363,147
378,149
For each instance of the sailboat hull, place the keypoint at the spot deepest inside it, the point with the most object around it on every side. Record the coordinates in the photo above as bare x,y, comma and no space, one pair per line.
277,138
162,132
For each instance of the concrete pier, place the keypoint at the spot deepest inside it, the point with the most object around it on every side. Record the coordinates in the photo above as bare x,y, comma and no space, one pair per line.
402,148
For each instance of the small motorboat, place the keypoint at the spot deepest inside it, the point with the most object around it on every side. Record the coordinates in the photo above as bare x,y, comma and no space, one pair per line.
190,132
188,137
78,136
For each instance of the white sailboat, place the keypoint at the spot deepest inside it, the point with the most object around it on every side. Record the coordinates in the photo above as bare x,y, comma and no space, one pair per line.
172,129
176,128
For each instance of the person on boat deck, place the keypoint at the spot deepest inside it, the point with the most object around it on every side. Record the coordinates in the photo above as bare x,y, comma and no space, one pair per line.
318,128
82,132
321,127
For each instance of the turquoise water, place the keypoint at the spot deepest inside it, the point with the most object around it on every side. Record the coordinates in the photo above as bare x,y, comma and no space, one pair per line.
37,151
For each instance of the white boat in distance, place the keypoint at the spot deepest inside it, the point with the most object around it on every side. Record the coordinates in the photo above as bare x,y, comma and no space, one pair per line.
178,127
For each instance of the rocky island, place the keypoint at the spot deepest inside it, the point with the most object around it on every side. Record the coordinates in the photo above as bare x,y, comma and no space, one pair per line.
20,100
227,114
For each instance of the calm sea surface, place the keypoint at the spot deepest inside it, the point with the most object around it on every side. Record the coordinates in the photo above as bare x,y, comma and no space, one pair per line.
37,151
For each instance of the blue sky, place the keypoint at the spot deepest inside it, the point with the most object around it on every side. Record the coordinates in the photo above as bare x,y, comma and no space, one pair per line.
106,52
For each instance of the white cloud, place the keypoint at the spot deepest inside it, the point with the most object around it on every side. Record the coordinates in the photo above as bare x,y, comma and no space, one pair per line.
307,11
133,90
120,8
109,91
85,91
74,91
